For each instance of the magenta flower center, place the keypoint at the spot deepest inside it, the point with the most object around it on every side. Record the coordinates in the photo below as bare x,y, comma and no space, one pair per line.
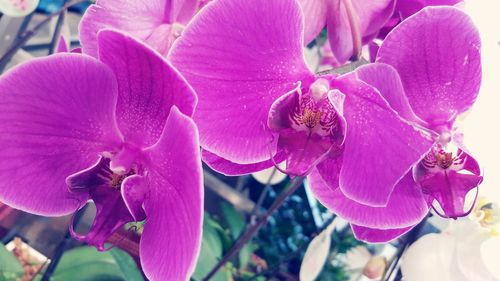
314,112
439,158
105,183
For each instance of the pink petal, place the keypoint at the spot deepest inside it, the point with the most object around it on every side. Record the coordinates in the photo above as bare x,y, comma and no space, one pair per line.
450,188
111,214
314,17
407,205
409,7
329,170
139,18
171,239
437,55
371,235
148,86
380,147
62,46
56,117
134,190
229,168
239,56
182,11
367,18
386,80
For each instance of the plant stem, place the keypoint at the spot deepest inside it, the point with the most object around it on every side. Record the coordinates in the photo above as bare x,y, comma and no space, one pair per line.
57,32
252,230
345,68
276,266
62,247
262,196
30,33
411,237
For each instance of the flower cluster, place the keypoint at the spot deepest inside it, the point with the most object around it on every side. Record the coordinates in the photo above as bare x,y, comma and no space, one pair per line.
118,123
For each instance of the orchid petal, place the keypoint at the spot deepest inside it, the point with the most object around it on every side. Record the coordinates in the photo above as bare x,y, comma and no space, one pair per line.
147,87
407,205
56,116
238,75
62,46
303,150
229,168
367,19
171,239
111,215
327,176
370,235
469,259
433,253
380,147
437,55
314,17
490,255
182,11
139,18
134,190
386,80
450,188
409,7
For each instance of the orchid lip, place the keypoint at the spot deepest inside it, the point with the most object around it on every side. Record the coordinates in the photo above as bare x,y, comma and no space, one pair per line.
103,182
447,174
309,124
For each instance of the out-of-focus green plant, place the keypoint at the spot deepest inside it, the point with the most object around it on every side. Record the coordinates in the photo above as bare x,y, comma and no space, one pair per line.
10,268
88,264
278,248
79,264
219,234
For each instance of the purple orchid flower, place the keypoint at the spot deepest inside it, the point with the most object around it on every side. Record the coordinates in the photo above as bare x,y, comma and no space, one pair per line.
116,131
429,71
156,22
259,104
350,23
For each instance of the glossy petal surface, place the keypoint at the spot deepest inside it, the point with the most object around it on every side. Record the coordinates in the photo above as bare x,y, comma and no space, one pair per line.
239,56
450,188
56,116
371,235
148,86
315,12
182,10
229,168
407,8
406,207
380,147
171,239
386,80
139,18
367,18
437,55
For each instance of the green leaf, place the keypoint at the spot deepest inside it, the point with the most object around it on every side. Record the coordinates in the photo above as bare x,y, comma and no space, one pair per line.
211,251
245,253
206,262
127,265
10,268
211,236
88,264
234,219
